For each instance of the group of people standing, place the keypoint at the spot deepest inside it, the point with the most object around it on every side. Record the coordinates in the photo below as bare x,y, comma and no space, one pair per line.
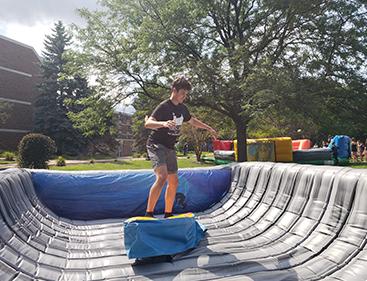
359,150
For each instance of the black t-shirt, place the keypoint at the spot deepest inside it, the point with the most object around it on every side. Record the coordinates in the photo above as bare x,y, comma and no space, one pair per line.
165,111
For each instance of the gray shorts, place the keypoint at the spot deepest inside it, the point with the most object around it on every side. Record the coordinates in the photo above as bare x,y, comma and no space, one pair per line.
161,155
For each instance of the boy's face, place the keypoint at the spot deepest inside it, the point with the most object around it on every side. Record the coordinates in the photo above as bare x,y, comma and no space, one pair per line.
180,95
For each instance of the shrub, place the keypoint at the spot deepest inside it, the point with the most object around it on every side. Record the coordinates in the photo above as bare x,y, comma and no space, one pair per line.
35,150
137,154
9,156
60,161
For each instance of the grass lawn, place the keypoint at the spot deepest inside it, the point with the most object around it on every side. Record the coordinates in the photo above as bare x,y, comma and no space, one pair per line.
127,165
89,157
362,165
6,162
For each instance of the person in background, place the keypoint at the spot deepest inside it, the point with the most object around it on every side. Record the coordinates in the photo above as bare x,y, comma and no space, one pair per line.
335,153
325,144
354,149
361,149
185,149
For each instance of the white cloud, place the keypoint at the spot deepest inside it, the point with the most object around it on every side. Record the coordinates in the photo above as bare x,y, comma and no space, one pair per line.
33,11
30,35
29,21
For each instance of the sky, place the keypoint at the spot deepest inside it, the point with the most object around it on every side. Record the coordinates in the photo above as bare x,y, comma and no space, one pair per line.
28,21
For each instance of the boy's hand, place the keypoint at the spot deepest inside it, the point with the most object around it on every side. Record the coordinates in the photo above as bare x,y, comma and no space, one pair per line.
213,133
170,124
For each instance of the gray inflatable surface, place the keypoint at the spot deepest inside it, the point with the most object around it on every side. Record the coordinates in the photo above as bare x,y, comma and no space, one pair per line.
278,222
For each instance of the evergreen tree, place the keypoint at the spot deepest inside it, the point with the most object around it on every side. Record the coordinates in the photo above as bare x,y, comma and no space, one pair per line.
57,86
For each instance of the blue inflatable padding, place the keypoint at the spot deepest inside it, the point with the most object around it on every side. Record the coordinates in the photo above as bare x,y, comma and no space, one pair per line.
342,144
152,238
122,194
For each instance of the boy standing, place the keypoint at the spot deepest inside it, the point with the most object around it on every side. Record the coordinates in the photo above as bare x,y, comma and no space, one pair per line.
165,122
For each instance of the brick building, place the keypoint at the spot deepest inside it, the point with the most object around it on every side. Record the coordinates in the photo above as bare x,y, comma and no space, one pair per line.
19,76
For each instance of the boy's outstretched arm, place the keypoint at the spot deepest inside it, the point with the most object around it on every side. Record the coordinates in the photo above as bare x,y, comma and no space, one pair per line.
200,124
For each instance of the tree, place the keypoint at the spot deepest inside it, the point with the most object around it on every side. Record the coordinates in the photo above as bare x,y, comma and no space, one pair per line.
88,107
144,106
244,57
57,85
196,137
94,119
93,116
199,138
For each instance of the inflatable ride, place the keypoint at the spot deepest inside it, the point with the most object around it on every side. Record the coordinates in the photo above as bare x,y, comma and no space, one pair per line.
265,149
301,144
264,221
284,149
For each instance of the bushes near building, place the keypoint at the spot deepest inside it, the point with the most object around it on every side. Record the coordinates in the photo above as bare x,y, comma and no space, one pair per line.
35,150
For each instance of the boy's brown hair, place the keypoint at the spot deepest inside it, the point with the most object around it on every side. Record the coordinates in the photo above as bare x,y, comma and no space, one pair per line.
181,83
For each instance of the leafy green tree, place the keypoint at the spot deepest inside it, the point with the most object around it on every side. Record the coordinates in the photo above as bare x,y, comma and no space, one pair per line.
144,106
92,115
196,137
244,57
88,107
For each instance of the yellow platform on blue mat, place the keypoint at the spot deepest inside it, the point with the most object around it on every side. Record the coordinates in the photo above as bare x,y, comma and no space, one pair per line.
180,216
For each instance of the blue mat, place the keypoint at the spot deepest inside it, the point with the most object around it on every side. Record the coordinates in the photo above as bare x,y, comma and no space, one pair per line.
146,237
124,194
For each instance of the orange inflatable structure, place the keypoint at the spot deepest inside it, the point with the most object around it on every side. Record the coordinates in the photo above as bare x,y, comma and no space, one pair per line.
301,144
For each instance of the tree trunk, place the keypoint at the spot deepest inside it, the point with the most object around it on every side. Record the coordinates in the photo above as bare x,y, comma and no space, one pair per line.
241,127
198,152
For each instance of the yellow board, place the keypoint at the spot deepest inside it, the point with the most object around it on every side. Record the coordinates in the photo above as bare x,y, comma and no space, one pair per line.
186,215
141,219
